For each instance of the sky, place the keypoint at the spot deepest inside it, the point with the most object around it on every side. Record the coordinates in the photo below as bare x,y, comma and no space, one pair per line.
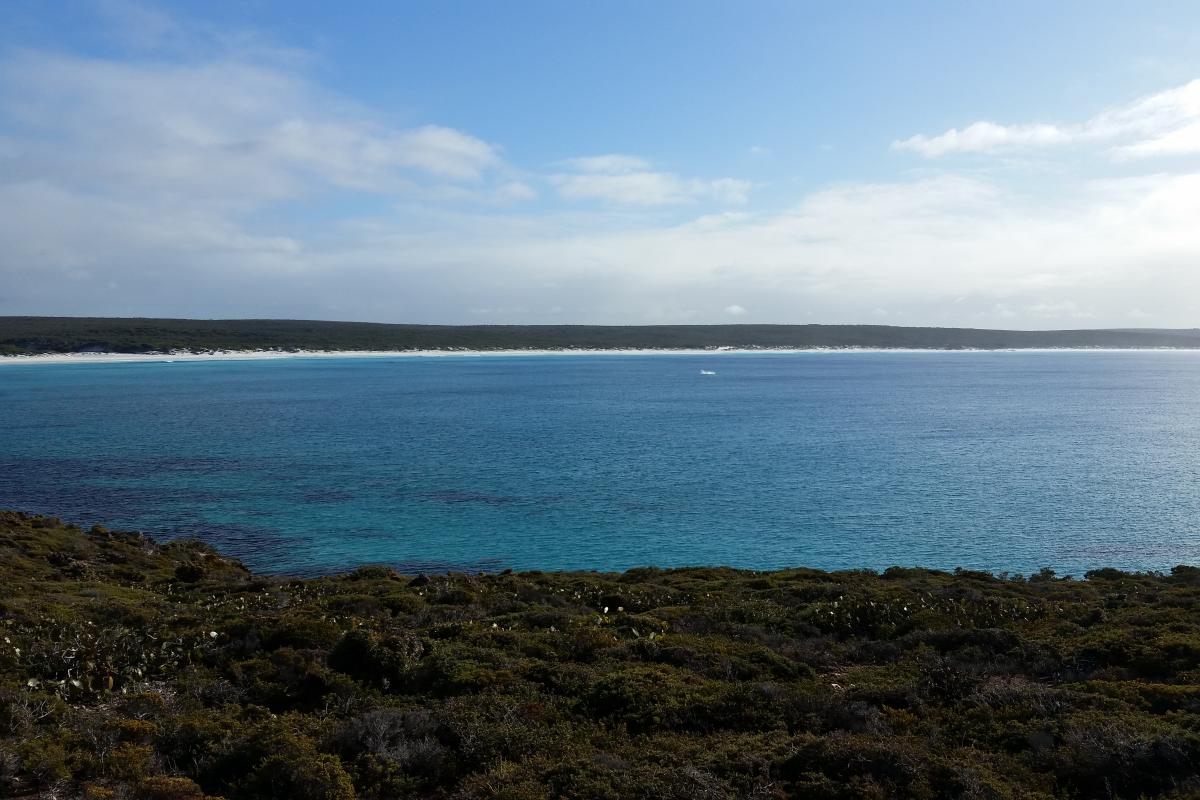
1003,164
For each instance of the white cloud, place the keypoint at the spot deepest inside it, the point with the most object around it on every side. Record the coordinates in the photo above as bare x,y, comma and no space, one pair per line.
234,130
735,310
438,151
628,180
612,164
1058,310
634,188
1161,124
985,137
649,189
1178,142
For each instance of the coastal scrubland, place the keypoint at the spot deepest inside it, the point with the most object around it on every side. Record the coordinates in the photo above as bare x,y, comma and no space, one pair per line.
38,335
131,669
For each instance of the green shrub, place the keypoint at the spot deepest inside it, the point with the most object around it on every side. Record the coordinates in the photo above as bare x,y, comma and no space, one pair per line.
45,760
383,661
302,776
164,787
646,697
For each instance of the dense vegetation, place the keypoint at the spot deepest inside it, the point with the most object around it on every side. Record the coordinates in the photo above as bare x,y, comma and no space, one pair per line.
26,335
135,670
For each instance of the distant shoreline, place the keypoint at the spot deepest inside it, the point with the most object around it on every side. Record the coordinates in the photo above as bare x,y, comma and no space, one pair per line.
66,336
277,355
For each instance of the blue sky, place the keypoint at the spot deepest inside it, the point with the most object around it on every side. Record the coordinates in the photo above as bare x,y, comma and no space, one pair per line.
1010,164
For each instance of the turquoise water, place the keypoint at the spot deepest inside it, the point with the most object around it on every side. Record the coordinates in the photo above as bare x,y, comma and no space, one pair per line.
998,461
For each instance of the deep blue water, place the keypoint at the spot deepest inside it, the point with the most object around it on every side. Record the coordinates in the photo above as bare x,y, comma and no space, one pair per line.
998,461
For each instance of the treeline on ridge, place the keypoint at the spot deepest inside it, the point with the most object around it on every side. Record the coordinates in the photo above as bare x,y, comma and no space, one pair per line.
32,335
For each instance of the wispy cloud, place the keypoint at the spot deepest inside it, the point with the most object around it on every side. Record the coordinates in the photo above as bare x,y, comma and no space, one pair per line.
143,26
985,137
629,180
1161,124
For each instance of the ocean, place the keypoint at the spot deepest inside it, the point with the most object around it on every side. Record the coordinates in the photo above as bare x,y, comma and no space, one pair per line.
1000,461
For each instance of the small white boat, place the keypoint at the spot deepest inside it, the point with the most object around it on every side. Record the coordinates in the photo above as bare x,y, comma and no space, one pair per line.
707,372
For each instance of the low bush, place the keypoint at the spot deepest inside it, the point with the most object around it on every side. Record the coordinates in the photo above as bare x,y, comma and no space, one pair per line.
136,671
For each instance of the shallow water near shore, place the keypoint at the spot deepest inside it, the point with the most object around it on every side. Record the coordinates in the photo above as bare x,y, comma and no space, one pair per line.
998,461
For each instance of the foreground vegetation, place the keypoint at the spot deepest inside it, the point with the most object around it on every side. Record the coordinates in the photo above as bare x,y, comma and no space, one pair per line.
135,670
31,335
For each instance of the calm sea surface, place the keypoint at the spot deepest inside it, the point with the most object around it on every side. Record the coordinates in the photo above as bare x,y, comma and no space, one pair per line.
999,461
